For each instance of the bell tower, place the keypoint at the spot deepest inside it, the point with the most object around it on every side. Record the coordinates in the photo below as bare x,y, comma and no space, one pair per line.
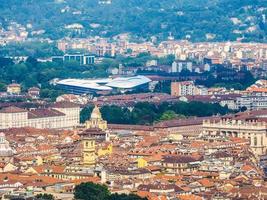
88,152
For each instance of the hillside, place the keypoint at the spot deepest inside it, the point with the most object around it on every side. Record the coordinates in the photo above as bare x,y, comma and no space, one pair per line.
197,20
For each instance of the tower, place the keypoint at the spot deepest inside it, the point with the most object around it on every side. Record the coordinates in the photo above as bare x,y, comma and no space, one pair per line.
88,152
6,152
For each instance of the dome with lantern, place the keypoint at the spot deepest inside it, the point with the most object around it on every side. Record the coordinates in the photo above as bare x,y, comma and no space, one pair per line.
96,114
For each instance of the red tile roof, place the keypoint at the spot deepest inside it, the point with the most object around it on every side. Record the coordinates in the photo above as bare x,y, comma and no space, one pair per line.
41,113
64,105
12,109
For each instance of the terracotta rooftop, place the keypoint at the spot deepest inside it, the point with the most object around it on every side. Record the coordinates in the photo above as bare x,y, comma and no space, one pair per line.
130,127
12,109
14,85
184,122
64,105
41,113
178,159
34,89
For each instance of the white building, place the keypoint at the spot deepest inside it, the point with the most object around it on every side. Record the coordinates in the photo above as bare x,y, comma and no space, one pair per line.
59,116
252,102
178,66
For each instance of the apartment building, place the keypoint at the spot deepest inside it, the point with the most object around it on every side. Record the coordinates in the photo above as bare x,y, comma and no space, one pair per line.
252,102
182,88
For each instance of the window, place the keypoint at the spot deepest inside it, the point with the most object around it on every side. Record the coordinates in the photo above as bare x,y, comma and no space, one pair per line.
255,141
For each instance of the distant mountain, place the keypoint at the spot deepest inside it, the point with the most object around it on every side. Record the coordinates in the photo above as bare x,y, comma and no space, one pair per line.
197,20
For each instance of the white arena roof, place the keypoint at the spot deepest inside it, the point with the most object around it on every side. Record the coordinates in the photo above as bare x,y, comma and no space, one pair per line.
128,82
106,84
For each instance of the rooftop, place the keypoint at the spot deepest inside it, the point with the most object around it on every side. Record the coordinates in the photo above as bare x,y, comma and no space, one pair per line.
106,84
12,109
40,113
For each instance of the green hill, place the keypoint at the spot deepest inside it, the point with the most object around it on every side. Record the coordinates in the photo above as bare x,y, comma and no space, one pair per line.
197,20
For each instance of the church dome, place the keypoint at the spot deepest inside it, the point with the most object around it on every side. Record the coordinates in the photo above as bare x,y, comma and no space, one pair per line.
96,114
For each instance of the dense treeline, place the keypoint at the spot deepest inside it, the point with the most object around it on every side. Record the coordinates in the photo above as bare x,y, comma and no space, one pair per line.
33,49
183,19
92,191
33,73
148,113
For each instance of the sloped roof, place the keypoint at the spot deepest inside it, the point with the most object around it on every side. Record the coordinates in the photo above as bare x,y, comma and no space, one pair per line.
12,109
42,113
64,104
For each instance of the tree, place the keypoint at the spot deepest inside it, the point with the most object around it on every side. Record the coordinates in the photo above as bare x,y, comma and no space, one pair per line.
85,113
168,115
125,197
44,197
115,114
32,61
163,87
167,60
243,109
51,93
91,191
5,61
2,87
145,113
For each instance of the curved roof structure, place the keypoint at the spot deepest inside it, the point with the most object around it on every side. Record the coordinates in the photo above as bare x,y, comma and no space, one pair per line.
128,82
106,84
90,84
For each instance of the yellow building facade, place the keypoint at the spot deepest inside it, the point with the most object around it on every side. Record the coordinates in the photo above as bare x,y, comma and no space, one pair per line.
105,151
141,163
88,152
14,88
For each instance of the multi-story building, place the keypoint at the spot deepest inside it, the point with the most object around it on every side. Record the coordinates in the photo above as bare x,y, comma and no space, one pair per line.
58,116
34,92
104,49
178,66
14,88
182,88
82,59
251,126
252,102
179,164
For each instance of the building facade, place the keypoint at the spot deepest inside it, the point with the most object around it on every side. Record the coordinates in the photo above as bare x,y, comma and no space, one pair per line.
58,116
14,88
88,152
182,88
82,59
252,130
252,102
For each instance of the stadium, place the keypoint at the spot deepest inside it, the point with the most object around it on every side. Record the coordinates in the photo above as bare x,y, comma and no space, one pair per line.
91,86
